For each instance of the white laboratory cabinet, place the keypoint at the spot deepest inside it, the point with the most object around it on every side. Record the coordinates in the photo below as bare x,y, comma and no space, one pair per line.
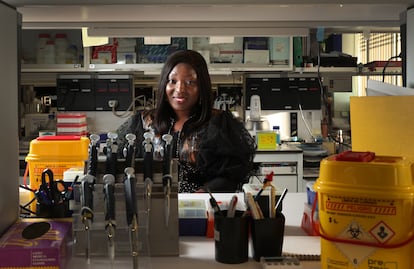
286,162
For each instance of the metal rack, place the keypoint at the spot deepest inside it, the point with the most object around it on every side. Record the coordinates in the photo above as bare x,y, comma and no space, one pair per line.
155,238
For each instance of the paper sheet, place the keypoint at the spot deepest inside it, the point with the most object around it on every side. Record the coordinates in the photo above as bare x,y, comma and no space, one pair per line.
302,247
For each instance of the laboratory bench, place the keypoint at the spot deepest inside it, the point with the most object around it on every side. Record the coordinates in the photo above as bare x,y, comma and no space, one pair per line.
199,251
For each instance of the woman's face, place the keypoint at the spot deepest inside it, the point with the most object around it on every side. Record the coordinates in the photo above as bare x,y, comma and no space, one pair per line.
182,90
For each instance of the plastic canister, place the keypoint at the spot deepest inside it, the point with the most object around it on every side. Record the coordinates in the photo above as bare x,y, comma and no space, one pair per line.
49,52
72,55
58,153
61,45
366,211
40,47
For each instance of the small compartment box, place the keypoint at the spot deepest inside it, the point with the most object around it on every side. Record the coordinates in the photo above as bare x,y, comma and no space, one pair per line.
22,248
266,140
192,216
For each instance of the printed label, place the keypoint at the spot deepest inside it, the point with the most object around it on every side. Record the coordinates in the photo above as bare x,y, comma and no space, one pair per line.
216,235
359,220
361,208
380,264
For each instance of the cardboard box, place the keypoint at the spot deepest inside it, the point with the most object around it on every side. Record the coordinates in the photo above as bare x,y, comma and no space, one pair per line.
256,56
37,243
220,53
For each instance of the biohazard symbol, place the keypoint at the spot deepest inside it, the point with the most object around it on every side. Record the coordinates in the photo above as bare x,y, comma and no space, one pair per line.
354,231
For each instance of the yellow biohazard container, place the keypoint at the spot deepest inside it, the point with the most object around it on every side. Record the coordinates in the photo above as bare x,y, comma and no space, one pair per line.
58,153
366,211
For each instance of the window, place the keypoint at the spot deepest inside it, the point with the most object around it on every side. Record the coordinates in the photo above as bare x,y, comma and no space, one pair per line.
378,47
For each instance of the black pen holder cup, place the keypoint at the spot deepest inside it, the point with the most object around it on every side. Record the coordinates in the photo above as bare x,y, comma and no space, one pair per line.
231,237
60,210
267,236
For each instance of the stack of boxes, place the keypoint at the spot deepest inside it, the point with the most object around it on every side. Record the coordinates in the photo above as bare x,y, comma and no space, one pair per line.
71,124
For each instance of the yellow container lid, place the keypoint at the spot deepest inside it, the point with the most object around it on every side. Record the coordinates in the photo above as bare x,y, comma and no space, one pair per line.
365,174
58,148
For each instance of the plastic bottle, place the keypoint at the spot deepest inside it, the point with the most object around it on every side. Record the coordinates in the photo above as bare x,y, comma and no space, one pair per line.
40,47
72,54
51,123
276,129
49,52
49,128
61,45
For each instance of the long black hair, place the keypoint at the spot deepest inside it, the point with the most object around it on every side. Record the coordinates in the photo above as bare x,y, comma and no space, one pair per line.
202,111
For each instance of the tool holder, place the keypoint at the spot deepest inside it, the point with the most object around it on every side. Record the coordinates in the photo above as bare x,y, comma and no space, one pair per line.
155,238
50,201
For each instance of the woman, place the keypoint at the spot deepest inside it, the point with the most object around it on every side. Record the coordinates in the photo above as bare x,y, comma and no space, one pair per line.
214,150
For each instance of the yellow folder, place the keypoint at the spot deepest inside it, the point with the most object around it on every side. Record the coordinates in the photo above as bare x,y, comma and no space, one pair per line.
383,124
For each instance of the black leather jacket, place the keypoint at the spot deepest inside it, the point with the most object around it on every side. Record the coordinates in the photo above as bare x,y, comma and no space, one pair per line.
218,156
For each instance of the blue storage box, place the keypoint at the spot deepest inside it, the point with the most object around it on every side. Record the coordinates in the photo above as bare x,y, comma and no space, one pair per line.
192,216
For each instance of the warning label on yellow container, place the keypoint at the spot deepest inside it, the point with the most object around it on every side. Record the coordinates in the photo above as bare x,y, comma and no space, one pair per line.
361,207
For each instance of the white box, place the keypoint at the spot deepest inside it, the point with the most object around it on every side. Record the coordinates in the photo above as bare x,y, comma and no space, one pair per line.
256,56
35,122
126,57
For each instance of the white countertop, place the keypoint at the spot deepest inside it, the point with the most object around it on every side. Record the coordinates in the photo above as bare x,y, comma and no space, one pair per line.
199,252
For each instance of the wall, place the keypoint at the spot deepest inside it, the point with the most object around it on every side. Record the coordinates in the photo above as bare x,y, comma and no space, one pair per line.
9,198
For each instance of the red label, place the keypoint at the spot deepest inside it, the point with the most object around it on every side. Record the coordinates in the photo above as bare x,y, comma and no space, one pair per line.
361,208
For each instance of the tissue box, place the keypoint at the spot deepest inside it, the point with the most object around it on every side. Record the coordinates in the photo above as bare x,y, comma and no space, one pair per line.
36,243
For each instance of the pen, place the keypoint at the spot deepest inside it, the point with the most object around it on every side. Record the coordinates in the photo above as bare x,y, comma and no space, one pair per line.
214,204
279,201
231,211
